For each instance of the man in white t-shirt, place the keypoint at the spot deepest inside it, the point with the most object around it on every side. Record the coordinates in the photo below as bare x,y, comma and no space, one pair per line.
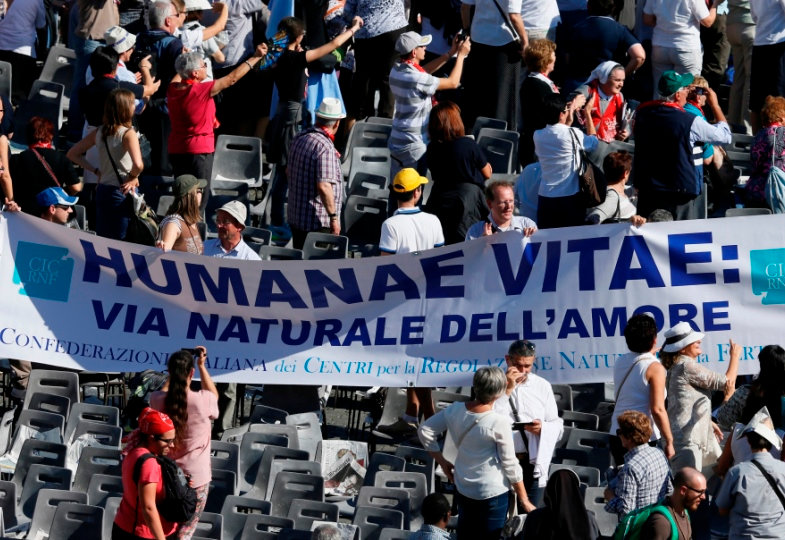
410,229
675,43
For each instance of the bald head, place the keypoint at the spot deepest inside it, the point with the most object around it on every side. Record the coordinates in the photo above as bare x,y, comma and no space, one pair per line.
686,477
689,489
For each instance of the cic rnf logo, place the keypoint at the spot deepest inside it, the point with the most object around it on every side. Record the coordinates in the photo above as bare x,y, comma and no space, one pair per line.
43,271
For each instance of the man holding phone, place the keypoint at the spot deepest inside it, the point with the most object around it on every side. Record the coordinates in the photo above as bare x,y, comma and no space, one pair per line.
531,407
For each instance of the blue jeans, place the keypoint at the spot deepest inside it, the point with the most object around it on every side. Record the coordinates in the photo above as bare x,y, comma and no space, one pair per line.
482,519
112,212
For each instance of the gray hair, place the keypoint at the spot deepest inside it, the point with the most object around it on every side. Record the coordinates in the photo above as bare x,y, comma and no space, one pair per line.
489,383
327,122
187,63
326,532
158,13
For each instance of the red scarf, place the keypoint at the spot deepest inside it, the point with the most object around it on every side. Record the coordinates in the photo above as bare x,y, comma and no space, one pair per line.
41,144
656,102
606,123
418,67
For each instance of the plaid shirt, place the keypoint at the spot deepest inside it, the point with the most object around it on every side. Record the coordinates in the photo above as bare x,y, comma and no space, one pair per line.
644,480
312,158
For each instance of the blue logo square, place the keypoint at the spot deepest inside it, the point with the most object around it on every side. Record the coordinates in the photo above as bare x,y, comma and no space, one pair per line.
43,271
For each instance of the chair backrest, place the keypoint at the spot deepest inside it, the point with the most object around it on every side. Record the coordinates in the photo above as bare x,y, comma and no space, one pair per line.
412,482
35,452
91,412
222,484
370,160
382,462
48,98
390,498
79,217
443,399
741,142
6,430
587,475
103,486
59,68
738,212
277,253
110,511
260,525
363,218
511,136
305,512
234,434
291,485
45,507
235,511
42,477
363,182
50,381
74,520
499,153
6,78
395,534
325,246
96,460
262,414
580,420
371,520
309,431
595,443
292,465
209,525
164,202
225,455
252,449
51,403
368,135
485,122
394,406
563,395
237,160
281,430
739,157
105,434
379,120
258,235
47,425
271,453
594,500
418,460
8,503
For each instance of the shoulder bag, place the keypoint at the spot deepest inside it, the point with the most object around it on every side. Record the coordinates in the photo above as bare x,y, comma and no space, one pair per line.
775,182
506,17
591,180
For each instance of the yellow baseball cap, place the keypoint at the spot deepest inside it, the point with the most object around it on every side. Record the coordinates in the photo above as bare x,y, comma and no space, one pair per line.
408,180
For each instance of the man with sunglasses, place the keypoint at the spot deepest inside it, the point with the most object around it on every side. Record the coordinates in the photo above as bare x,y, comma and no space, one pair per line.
55,205
689,489
531,406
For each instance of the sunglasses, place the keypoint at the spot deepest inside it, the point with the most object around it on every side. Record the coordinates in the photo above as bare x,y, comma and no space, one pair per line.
700,91
165,441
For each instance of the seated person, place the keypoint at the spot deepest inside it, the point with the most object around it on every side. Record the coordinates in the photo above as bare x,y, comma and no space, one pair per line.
436,513
609,110
617,206
645,477
696,100
500,198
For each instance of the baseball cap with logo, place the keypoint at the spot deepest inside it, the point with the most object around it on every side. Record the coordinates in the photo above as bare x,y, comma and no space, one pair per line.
119,39
54,195
408,41
671,82
408,180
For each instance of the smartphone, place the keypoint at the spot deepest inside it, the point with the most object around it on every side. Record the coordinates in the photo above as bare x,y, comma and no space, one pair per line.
194,352
521,425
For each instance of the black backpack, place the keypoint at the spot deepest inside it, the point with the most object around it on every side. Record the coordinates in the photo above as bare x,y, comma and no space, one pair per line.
179,502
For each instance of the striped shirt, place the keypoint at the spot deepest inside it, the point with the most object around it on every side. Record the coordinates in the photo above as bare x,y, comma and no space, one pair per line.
412,90
312,159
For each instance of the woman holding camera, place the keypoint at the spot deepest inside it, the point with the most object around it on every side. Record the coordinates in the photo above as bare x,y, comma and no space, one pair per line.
192,413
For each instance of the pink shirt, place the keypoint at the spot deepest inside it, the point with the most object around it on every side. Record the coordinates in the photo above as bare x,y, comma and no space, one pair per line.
193,454
129,513
192,114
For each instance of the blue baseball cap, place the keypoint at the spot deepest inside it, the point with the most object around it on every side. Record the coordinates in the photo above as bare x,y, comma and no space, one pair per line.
54,195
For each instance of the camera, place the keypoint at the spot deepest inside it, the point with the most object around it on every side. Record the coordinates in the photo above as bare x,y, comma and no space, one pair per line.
196,353
461,35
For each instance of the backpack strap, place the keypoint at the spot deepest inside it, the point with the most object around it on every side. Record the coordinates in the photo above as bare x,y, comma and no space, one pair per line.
138,465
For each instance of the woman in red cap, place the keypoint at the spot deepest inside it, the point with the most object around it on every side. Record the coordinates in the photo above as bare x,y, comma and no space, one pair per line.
137,516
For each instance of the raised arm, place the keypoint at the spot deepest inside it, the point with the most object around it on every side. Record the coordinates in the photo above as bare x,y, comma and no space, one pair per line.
204,375
454,80
336,42
242,69
220,23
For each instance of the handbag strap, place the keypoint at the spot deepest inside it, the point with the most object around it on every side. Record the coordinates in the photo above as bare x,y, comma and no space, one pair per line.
771,481
465,433
46,166
506,17
624,380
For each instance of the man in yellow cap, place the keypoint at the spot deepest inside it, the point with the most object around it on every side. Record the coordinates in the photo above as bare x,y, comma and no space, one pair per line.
409,228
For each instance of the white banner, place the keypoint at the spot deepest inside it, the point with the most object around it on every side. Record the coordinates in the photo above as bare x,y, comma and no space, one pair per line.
427,319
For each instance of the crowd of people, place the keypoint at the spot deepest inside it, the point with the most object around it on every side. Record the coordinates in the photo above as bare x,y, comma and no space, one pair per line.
154,82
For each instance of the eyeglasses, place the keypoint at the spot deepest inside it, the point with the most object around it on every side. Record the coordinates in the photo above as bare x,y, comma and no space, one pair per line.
165,441
698,491
199,190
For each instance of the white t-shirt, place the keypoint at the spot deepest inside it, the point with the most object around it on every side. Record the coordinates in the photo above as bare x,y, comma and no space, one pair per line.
554,147
411,229
540,14
17,28
678,23
488,26
769,17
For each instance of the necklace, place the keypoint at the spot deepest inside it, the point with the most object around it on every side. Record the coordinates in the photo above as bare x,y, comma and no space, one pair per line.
682,533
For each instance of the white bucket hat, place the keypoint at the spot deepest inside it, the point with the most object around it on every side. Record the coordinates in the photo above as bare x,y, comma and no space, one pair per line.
762,425
331,109
680,336
119,39
237,210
